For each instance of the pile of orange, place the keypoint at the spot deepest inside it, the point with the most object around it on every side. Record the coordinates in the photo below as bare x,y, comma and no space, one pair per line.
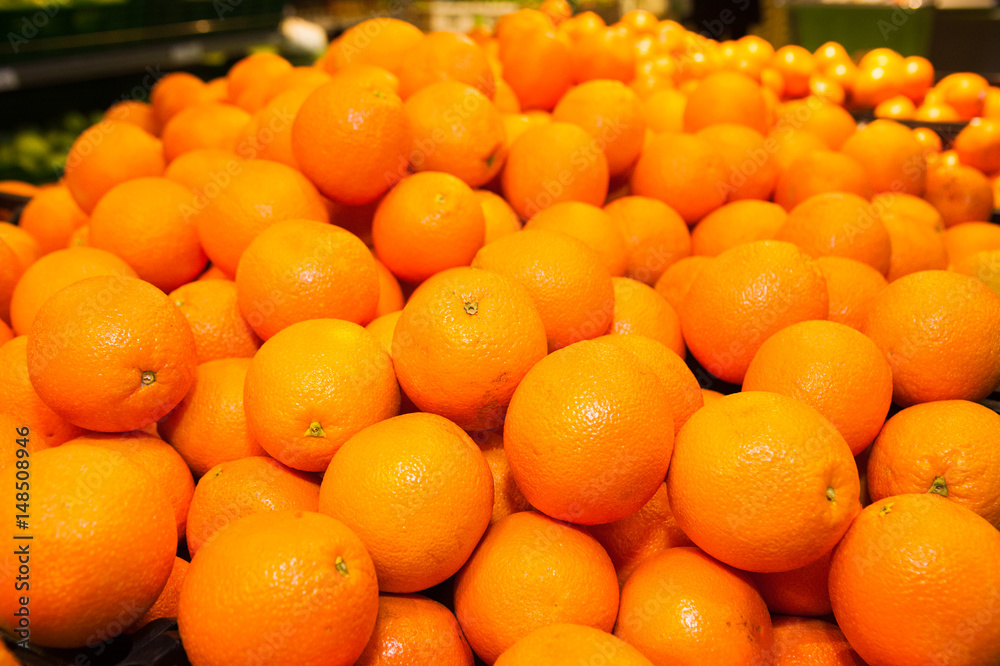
278,359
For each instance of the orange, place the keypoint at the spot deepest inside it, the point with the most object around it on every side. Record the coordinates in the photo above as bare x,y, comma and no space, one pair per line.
157,458
507,497
11,270
175,92
51,217
576,415
683,171
795,64
801,591
419,494
991,103
268,134
140,114
144,366
983,265
429,222
818,172
940,332
569,645
709,396
942,447
639,309
960,193
412,630
590,225
830,53
129,544
505,99
789,144
6,335
607,53
751,171
109,153
875,83
891,155
966,239
763,482
195,169
612,114
310,78
165,604
681,606
677,280
390,295
370,76
802,641
899,107
726,97
445,56
212,312
978,144
641,536
557,10
915,246
918,77
830,122
465,340
734,224
472,149
664,111
936,113
928,139
208,125
965,92
19,188
295,404
747,294
521,51
553,163
497,604
250,78
881,592
832,368
379,41
23,244
827,88
656,237
908,209
208,426
352,141
565,279
258,195
501,220
851,286
295,569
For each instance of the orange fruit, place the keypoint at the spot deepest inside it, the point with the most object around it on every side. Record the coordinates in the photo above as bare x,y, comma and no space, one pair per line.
174,92
984,266
197,168
915,246
936,113
379,41
940,332
497,605
968,238
208,125
6,335
445,56
734,224
19,188
830,122
144,366
682,605
208,426
352,141
656,237
370,76
165,604
390,294
212,312
465,340
960,193
978,144
310,78
396,484
792,508
851,286
109,153
521,50
501,220
129,543
832,368
591,226
830,53
929,140
569,645
140,114
875,83
612,114
429,222
607,53
566,280
507,497
472,149
553,163
250,78
821,171
565,426
683,171
22,244
898,107
908,209
258,195
838,224
268,134
505,99
965,92
675,282
789,144
726,97
752,172
891,155
879,595
295,406
51,217
640,310
412,630
297,569
942,447
11,270
918,77
516,124
795,64
664,111
749,293
801,591
804,641
827,88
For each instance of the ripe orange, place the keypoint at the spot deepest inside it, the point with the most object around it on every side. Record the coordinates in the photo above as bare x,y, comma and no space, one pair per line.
726,97
940,332
445,56
521,49
564,576
175,92
590,225
390,295
830,122
891,155
639,309
751,171
268,134
384,327
51,217
736,223
677,280
898,107
681,605
612,114
802,641
818,172
881,581
683,171
144,366
412,630
250,78
569,645
552,163
501,220
789,144
763,482
140,114
295,569
915,246
969,238
129,546
208,125
310,78
196,169
960,193
978,144
656,237
208,426
928,139
507,497
664,111
607,53
965,92
296,404
378,41
211,310
942,447
795,64
429,222
6,335
801,591
21,243
851,286
165,604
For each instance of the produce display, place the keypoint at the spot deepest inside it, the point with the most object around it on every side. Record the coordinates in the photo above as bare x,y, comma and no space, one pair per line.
561,343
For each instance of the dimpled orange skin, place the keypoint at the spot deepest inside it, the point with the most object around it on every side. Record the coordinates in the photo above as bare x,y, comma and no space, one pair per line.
213,314
820,171
129,546
207,125
746,295
639,309
127,363
590,225
352,141
565,576
675,282
851,286
802,591
780,515
417,491
892,156
736,223
464,342
301,571
682,606
445,56
314,385
51,217
21,402
940,332
377,41
802,642
611,113
571,645
656,237
684,171
319,270
589,433
507,497
412,630
940,572
566,280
